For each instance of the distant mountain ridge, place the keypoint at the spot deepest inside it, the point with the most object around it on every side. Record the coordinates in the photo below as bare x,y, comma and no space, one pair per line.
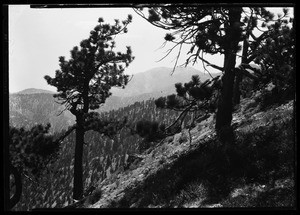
26,110
159,79
34,91
31,106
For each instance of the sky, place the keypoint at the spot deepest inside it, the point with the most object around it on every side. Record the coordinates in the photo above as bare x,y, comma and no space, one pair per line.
37,37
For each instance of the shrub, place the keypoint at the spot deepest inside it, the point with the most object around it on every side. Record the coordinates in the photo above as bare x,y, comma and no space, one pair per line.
32,150
191,192
151,131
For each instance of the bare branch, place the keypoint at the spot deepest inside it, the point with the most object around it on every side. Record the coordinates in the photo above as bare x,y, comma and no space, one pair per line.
212,65
61,138
168,52
162,46
205,66
62,111
184,112
177,59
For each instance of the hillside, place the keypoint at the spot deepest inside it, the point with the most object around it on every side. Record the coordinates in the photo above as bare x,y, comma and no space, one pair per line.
256,172
102,156
179,173
176,173
28,109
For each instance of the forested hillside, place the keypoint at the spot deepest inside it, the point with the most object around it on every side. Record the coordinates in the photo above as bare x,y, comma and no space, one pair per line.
102,158
105,161
257,171
26,110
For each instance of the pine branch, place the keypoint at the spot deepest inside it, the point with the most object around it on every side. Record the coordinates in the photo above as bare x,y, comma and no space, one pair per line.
184,112
69,131
178,55
205,66
212,65
62,111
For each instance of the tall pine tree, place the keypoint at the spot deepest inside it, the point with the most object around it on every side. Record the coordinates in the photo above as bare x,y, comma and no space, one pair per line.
215,30
83,82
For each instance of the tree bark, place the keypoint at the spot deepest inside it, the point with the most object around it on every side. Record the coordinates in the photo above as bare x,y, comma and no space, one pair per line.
80,131
78,170
239,76
237,92
18,183
224,112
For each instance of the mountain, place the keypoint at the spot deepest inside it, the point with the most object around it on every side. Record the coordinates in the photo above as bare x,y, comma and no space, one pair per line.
33,91
116,102
159,80
31,106
152,83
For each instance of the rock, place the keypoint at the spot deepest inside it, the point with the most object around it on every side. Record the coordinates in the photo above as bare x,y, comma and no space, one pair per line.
134,205
214,206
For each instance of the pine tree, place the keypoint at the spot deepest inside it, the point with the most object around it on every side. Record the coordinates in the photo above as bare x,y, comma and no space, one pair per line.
199,98
208,30
83,82
277,54
215,30
264,21
30,151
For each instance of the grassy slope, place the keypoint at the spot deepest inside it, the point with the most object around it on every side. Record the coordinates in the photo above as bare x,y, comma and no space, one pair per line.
256,172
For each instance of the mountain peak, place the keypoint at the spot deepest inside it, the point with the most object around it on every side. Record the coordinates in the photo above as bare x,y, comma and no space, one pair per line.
159,79
34,91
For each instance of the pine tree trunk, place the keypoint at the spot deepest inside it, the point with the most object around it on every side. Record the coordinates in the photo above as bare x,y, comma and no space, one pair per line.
237,91
78,170
239,76
224,112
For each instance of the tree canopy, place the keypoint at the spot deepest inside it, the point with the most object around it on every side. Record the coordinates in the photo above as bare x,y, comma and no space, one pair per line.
207,29
84,81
